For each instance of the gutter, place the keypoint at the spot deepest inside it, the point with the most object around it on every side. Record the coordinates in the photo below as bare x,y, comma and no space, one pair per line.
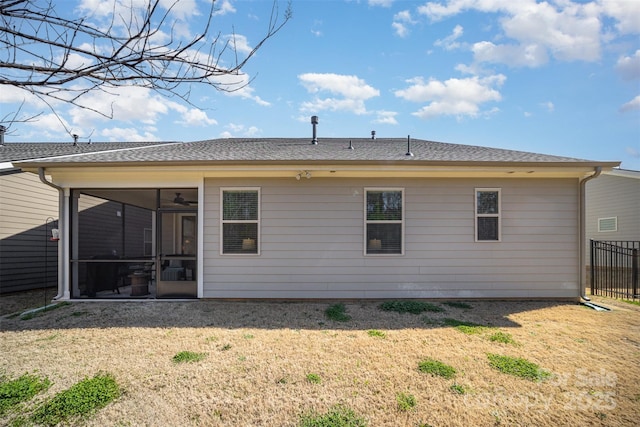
582,230
43,179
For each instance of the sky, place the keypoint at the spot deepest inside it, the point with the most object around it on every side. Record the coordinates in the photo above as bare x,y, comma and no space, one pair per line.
557,77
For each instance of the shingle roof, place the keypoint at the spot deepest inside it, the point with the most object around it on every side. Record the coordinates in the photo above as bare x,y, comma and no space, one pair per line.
15,151
288,150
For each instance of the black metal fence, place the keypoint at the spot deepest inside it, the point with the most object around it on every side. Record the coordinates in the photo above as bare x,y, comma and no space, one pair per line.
614,269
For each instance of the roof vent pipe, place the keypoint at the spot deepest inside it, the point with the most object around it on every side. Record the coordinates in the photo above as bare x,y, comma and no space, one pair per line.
314,122
373,134
2,131
75,139
409,153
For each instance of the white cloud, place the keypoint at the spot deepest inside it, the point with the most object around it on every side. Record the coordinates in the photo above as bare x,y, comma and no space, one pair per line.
627,13
356,106
315,29
224,7
237,85
516,55
449,42
565,30
50,125
75,61
401,22
382,3
127,104
195,117
386,117
182,9
549,106
570,33
437,11
252,130
400,29
629,66
633,105
127,134
351,90
234,127
453,97
339,84
239,43
234,130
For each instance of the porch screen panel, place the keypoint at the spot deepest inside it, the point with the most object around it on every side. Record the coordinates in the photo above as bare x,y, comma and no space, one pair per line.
240,221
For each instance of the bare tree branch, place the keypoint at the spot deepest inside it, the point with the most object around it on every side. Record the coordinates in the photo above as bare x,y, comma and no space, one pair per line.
62,59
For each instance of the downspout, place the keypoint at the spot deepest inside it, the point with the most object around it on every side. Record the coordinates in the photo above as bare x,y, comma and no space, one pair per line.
43,179
582,230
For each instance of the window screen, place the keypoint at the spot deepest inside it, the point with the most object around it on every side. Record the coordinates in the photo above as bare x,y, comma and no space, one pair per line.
487,214
384,221
240,220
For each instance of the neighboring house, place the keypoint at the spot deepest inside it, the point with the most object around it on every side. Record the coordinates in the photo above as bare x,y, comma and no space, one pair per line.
612,208
28,258
29,211
340,218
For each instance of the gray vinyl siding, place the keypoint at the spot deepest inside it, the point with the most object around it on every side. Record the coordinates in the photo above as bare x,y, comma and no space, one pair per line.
28,260
312,242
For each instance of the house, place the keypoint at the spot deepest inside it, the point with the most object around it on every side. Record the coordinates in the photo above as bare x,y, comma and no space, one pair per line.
29,212
321,218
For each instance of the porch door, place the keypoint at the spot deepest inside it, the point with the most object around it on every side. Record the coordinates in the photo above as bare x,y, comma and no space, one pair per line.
177,254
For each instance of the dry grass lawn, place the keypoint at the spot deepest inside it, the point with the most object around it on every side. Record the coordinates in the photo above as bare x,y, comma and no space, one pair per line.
260,353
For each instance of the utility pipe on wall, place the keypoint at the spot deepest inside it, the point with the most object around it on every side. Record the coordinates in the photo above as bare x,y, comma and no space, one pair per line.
582,231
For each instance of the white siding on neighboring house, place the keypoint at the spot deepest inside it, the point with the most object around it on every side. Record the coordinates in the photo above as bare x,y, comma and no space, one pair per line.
612,195
312,243
24,234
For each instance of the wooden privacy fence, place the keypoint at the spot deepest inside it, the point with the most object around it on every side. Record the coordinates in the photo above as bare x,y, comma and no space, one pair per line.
614,269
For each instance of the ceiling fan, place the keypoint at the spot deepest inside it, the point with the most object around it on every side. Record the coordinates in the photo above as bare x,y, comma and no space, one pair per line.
179,200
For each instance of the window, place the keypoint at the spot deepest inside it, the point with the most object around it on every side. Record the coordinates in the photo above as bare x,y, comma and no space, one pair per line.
607,224
384,221
240,213
487,214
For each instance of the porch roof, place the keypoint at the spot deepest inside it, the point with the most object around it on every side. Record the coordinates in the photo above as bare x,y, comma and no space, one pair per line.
17,151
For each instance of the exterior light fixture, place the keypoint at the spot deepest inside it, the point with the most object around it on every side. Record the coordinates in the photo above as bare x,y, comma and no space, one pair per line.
305,174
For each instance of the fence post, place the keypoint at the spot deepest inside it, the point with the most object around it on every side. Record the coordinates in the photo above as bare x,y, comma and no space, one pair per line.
634,272
593,268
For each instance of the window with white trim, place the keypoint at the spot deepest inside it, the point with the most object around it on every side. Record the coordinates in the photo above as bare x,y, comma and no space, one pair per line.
487,213
384,221
240,221
607,224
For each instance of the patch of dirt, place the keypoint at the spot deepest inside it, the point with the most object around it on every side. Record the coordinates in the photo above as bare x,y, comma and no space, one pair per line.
19,302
